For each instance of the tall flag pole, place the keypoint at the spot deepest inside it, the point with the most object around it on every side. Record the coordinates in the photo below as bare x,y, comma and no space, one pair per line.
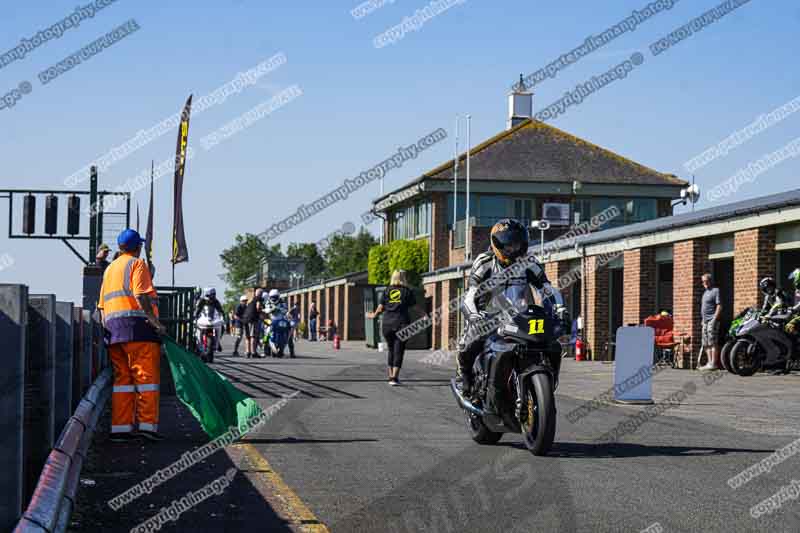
149,229
137,217
180,253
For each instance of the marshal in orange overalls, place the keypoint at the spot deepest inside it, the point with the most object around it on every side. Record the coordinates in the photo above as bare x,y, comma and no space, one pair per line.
134,346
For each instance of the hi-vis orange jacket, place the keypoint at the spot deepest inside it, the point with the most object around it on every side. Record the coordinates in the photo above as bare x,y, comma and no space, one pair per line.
124,279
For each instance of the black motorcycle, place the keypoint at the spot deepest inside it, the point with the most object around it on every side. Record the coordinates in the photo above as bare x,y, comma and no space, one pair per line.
762,343
522,349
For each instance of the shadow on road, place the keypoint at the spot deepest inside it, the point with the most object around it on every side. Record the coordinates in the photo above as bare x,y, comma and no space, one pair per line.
588,450
293,440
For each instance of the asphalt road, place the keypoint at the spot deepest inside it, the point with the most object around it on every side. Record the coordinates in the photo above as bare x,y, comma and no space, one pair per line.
364,456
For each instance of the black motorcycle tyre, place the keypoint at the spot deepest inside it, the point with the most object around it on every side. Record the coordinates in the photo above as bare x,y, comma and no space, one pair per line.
540,432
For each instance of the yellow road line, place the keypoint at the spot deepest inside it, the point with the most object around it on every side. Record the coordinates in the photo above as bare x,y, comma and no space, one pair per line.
291,504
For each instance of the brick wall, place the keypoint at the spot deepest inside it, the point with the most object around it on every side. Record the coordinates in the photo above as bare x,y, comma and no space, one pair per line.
555,270
440,243
690,262
480,240
456,254
754,259
338,307
446,328
639,300
595,306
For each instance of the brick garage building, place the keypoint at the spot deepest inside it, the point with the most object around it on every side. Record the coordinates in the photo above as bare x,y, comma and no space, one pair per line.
339,299
620,276
635,271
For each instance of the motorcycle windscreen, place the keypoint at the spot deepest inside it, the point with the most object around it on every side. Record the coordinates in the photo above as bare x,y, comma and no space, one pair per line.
515,301
512,297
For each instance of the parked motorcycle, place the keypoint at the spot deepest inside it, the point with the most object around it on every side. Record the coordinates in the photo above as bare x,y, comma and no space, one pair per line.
731,338
279,333
209,323
522,345
762,343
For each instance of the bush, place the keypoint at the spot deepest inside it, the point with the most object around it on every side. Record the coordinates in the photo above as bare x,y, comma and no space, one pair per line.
411,256
378,265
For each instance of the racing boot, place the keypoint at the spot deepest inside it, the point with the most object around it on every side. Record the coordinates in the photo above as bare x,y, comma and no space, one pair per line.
464,375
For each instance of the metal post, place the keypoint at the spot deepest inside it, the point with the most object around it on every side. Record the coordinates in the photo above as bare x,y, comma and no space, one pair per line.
13,331
101,201
467,233
93,208
455,184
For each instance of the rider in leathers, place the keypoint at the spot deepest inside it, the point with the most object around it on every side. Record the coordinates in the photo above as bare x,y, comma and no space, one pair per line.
210,299
492,272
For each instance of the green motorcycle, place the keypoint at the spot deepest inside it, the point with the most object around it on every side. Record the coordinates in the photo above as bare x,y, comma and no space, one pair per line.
733,330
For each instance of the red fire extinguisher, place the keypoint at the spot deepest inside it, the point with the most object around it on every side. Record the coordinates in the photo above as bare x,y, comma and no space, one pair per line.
336,343
579,350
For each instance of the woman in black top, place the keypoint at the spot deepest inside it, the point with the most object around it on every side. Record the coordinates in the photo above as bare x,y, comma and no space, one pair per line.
397,299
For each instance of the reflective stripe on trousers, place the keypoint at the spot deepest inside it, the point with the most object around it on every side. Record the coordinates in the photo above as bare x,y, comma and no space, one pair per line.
136,385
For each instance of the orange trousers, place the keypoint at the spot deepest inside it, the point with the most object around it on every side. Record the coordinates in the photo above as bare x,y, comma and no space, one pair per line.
137,377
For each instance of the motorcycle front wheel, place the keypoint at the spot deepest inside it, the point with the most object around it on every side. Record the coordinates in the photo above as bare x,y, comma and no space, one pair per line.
539,408
744,358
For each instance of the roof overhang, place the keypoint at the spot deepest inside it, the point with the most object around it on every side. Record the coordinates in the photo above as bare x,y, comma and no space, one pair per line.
678,234
527,186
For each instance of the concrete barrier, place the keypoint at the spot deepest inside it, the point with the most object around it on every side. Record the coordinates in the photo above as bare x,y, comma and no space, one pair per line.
51,506
13,332
86,354
63,366
38,434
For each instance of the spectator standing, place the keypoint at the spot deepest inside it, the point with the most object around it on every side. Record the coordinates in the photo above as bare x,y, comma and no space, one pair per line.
294,318
312,321
251,320
397,300
238,326
101,259
710,309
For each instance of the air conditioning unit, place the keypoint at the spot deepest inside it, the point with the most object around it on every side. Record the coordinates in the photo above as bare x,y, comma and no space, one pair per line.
556,214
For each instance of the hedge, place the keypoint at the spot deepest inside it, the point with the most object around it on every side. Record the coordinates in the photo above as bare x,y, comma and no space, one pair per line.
378,265
411,256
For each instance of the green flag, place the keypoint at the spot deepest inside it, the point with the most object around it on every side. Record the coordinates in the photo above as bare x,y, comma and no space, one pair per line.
213,401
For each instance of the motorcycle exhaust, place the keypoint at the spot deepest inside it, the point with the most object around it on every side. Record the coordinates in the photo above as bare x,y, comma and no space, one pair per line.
463,401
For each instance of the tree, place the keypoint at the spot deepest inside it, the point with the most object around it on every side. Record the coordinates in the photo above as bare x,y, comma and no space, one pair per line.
242,261
347,254
315,265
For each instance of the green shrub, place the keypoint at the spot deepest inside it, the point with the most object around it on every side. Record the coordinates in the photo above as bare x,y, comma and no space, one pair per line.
378,265
411,256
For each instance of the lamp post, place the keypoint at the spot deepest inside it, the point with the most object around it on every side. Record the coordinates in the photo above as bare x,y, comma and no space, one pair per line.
467,236
455,179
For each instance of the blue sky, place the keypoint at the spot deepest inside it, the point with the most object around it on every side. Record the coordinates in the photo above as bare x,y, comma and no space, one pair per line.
360,103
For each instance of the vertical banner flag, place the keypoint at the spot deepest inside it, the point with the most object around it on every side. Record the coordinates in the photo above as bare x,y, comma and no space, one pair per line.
149,229
180,253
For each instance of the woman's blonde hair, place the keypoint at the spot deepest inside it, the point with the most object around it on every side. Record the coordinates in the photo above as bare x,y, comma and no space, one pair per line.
398,278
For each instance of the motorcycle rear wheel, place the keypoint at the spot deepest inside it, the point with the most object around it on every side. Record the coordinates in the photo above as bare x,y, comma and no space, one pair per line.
725,354
742,363
539,427
479,432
